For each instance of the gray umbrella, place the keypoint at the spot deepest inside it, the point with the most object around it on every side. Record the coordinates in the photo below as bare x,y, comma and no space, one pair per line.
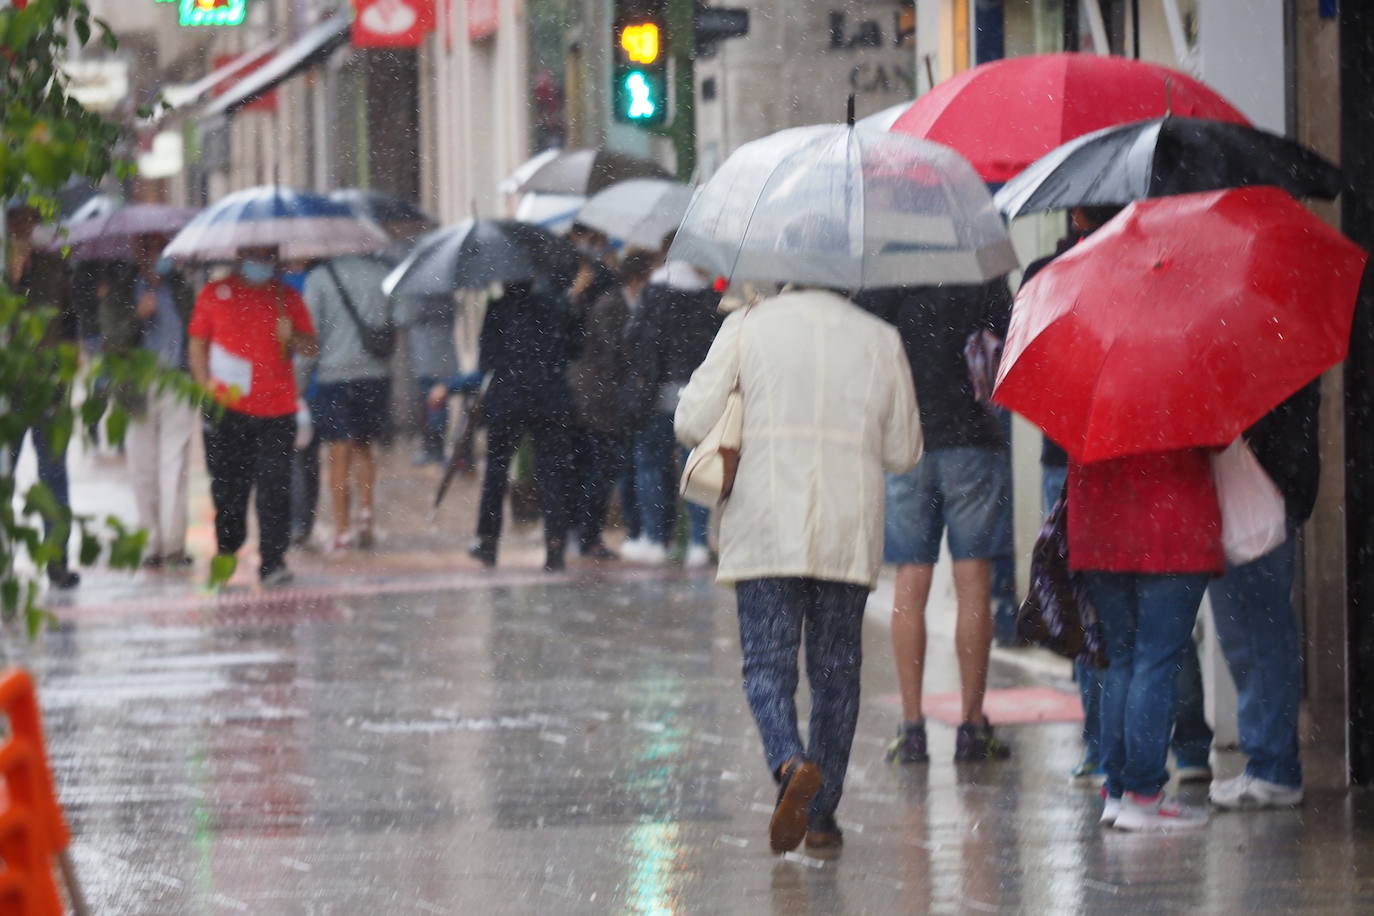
584,171
474,254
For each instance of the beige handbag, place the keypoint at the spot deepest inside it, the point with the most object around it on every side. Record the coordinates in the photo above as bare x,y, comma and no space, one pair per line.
709,474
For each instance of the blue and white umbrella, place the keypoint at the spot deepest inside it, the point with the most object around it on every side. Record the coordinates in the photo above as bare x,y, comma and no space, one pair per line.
300,225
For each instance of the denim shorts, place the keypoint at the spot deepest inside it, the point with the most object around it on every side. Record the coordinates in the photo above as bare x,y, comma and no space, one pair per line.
966,490
353,411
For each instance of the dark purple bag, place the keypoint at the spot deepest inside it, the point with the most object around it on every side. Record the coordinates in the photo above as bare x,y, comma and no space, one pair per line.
1057,613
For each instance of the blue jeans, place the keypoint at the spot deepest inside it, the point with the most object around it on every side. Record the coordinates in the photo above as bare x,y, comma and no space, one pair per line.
52,472
655,463
658,464
772,613
1258,631
1192,738
1147,624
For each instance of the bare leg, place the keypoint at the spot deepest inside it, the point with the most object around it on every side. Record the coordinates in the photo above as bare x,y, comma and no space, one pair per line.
909,634
973,632
364,476
340,455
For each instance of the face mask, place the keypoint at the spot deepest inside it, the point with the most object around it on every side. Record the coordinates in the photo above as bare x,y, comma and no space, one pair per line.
257,272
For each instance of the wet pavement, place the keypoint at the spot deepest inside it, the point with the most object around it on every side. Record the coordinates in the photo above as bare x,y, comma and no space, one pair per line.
407,734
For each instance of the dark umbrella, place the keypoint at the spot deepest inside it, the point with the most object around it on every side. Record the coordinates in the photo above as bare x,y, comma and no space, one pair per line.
581,171
467,430
381,208
1164,156
110,236
474,254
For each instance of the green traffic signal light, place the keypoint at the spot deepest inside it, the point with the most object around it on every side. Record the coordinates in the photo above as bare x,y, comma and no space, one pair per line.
640,101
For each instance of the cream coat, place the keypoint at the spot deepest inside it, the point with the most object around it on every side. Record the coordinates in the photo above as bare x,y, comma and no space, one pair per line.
828,407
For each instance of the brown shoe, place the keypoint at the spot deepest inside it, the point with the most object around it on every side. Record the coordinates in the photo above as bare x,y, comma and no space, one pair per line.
824,833
801,780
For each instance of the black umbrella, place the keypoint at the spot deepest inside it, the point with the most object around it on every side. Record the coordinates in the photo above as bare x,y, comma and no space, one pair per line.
1164,156
474,254
462,448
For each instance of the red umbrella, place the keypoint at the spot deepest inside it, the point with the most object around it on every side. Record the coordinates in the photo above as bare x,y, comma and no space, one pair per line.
1180,323
1004,115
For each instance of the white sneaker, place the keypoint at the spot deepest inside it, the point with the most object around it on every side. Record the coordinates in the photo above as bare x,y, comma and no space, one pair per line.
633,549
1157,814
1246,791
654,554
1111,809
698,555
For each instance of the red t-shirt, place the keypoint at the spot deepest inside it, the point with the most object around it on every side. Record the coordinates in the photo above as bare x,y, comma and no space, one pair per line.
249,368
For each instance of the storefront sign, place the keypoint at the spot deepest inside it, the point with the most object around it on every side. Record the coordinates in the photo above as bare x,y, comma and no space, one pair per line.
391,23
213,12
265,102
484,17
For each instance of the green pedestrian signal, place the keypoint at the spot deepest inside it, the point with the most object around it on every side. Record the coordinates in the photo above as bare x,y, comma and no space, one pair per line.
640,80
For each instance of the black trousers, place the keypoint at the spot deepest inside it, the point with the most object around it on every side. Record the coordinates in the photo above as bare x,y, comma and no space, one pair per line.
549,436
245,453
599,462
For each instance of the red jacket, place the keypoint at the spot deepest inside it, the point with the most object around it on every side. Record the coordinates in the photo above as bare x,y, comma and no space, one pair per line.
1145,514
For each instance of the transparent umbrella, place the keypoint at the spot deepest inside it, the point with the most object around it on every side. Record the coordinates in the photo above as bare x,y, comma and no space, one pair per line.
845,208
639,212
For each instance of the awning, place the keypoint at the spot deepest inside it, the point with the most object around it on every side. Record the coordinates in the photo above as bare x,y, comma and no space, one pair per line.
302,54
181,98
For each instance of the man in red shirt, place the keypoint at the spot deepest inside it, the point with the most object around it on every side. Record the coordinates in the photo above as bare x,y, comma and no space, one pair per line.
243,333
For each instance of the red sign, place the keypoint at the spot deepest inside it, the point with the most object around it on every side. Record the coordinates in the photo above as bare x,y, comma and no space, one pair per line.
265,102
483,18
391,23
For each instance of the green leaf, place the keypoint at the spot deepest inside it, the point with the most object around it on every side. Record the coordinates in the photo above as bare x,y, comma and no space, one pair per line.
83,30
90,549
222,568
41,501
36,619
9,598
117,424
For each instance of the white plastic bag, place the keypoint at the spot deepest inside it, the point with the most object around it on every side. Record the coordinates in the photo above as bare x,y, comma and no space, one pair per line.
1252,512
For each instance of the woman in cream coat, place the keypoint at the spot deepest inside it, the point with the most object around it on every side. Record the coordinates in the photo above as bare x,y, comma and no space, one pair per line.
828,407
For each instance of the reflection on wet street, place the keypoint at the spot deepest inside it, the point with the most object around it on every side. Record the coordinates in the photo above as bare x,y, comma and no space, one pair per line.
579,745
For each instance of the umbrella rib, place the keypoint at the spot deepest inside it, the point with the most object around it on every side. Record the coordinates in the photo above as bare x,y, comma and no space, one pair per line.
763,186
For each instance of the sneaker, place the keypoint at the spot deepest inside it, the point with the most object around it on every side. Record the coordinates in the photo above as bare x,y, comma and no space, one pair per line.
633,549
179,560
1192,773
277,578
800,782
1088,773
1246,791
977,742
910,746
63,577
1111,809
484,550
654,554
823,833
1157,814
598,551
698,555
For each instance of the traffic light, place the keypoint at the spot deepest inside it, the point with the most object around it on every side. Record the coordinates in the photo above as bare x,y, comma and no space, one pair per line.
640,78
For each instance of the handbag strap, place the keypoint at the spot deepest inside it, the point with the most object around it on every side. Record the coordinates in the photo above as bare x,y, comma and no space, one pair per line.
738,338
363,327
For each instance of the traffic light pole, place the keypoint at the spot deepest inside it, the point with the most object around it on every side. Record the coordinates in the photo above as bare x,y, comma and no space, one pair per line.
682,131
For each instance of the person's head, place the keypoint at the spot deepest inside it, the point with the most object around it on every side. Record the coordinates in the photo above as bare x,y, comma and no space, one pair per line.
635,269
20,220
147,251
591,243
1087,220
258,264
